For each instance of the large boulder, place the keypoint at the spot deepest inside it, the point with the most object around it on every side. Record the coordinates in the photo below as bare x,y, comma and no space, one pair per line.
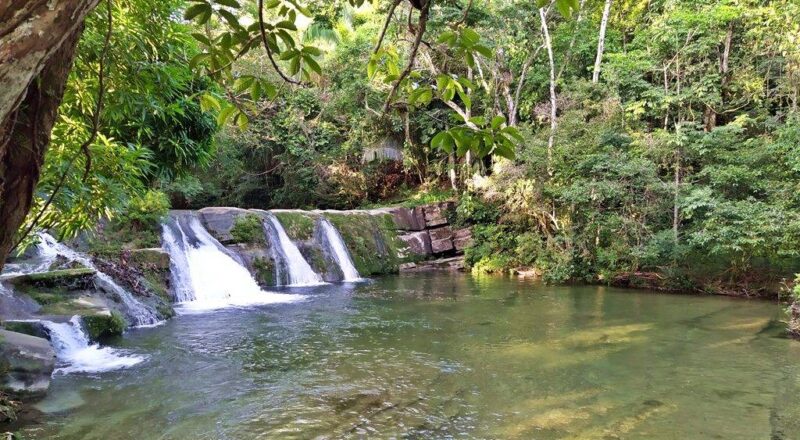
406,219
417,243
436,214
27,363
220,220
794,320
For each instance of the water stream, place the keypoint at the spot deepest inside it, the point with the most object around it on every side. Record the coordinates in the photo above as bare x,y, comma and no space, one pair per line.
292,269
339,251
207,276
77,355
448,356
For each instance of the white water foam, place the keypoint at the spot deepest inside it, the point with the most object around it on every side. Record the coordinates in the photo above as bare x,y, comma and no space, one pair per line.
206,277
340,252
299,272
141,314
77,355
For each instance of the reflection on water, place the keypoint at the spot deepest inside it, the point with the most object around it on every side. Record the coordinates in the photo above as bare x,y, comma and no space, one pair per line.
448,356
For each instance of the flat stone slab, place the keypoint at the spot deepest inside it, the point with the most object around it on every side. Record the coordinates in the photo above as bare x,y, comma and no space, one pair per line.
405,219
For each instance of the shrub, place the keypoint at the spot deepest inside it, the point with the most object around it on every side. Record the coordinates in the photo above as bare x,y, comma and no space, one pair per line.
248,229
148,210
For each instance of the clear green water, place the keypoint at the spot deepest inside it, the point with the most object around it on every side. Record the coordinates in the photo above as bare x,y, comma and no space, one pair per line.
449,356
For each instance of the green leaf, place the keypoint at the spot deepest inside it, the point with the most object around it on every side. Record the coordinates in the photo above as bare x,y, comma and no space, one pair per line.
498,121
201,38
285,24
289,54
243,83
229,3
196,11
199,58
312,63
225,114
312,50
208,102
230,18
443,140
483,50
469,37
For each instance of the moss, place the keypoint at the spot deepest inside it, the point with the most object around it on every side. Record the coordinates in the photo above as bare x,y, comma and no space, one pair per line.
264,271
315,258
68,278
103,326
371,240
298,226
156,282
248,229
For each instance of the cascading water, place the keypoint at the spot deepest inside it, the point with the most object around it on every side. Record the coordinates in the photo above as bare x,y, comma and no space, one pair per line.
205,274
292,267
339,251
139,314
77,355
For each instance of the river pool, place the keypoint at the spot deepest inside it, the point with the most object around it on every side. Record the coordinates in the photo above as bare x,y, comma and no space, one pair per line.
447,356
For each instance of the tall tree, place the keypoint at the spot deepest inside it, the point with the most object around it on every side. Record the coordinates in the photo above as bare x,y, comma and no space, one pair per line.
37,47
601,42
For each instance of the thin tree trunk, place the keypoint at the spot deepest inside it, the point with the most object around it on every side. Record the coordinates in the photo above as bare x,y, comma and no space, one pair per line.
675,208
553,105
601,42
37,47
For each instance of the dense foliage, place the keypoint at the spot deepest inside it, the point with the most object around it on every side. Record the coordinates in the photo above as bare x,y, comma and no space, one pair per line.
633,142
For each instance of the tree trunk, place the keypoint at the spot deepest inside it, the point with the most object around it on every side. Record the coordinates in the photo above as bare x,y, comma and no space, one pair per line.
553,104
601,42
37,47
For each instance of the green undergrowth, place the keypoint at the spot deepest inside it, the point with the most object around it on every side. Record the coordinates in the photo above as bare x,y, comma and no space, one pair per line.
248,229
298,225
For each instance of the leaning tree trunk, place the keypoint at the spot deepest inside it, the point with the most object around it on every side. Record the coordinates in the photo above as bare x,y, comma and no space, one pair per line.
553,102
601,42
37,47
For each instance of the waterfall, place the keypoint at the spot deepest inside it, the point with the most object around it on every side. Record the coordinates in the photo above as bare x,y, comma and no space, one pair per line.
339,251
138,313
205,274
76,355
292,269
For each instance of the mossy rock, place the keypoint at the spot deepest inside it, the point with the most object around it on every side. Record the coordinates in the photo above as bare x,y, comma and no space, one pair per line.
248,229
104,325
33,328
71,279
264,271
371,239
299,226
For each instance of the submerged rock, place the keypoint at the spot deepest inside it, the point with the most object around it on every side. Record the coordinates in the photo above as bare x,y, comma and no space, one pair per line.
27,363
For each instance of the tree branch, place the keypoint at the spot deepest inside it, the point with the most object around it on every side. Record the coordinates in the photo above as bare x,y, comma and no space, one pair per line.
421,26
263,31
389,16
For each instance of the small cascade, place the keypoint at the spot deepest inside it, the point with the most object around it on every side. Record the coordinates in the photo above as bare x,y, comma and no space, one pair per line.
292,269
205,274
43,256
339,251
140,314
77,355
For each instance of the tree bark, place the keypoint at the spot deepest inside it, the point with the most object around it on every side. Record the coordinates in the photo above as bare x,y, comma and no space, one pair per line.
553,104
37,46
601,42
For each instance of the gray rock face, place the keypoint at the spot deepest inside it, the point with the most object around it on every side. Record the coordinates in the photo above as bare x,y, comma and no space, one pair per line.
29,361
220,220
462,239
406,219
436,214
419,243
